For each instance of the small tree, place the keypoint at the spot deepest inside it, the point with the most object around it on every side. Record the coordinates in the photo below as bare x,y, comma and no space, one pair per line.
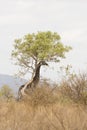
32,48
6,92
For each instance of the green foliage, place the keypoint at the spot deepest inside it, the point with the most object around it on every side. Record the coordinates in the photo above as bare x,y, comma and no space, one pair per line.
32,48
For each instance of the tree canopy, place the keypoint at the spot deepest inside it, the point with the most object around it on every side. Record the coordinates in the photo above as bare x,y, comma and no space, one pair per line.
33,48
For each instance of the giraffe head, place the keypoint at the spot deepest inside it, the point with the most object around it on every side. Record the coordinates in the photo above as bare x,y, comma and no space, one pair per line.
43,63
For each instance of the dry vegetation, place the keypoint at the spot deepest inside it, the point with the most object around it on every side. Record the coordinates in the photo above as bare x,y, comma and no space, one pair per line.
60,108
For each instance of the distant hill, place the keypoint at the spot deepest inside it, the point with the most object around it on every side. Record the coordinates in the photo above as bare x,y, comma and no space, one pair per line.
12,81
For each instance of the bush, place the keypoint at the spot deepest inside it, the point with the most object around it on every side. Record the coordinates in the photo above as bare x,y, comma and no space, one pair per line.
75,88
42,95
6,92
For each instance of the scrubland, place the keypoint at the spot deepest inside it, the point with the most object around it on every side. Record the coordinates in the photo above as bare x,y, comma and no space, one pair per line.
59,107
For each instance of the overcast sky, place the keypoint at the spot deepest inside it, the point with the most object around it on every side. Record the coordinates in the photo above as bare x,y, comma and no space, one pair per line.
66,17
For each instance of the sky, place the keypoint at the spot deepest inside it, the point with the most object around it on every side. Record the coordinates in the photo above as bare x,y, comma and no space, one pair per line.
66,17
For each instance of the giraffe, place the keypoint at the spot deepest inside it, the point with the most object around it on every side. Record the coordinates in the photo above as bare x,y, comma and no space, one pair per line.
33,82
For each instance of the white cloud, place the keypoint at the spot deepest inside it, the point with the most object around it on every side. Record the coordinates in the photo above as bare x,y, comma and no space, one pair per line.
25,4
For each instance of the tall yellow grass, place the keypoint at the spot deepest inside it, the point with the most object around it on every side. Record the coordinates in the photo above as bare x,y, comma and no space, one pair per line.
59,108
56,116
25,115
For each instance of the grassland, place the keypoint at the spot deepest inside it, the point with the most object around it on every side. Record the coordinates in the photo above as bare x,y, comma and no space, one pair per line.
23,116
47,109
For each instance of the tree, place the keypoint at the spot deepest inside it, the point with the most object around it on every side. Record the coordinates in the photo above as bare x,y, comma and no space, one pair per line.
33,48
6,92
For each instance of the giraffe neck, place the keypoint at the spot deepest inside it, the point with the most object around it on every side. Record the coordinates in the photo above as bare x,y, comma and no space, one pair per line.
37,73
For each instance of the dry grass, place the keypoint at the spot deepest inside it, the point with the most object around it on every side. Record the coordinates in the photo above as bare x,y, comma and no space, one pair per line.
58,116
48,108
75,88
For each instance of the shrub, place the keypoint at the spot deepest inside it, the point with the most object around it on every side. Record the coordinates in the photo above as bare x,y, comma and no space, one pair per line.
42,95
6,92
75,88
